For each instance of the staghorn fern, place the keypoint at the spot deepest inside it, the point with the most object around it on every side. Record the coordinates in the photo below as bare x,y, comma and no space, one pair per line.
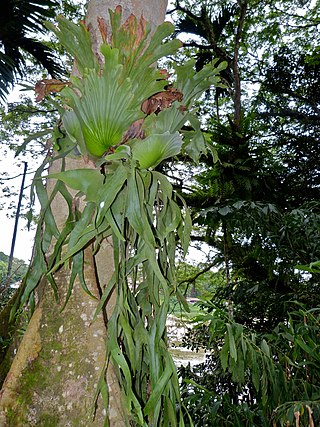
132,203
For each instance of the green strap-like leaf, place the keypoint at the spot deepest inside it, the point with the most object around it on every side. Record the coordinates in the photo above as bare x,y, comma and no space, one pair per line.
87,181
77,41
30,138
109,191
154,398
135,211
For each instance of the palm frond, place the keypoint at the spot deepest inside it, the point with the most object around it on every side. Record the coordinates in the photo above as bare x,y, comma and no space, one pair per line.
19,21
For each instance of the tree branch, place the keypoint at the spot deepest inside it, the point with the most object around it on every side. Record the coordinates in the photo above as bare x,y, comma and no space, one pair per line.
191,279
236,73
287,112
14,177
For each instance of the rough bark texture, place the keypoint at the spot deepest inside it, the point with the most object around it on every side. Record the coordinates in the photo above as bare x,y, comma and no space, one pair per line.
53,378
54,375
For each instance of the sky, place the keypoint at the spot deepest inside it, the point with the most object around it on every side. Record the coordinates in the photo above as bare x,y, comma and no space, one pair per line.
14,169
24,242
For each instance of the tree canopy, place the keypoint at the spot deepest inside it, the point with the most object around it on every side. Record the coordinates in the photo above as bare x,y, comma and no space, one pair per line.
257,207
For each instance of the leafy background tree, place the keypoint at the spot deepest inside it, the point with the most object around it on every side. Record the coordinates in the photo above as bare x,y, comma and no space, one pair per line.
258,205
255,203
258,208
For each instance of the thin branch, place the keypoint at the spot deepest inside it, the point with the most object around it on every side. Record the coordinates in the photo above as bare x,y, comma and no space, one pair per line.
186,11
191,279
293,15
14,177
222,54
294,114
236,73
303,27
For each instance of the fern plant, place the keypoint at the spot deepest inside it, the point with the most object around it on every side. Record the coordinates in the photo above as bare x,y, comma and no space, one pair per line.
126,198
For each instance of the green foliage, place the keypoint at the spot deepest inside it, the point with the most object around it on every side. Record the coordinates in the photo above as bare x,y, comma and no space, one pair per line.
3,270
19,269
8,294
265,248
127,76
152,150
287,105
257,206
126,200
254,379
198,281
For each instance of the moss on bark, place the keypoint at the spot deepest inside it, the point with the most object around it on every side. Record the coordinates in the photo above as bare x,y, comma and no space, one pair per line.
55,373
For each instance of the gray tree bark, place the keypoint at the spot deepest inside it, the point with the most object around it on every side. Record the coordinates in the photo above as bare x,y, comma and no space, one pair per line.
54,375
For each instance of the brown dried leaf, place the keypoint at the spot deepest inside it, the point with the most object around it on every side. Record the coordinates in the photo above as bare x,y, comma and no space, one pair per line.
83,24
134,131
45,86
135,29
103,28
140,31
164,73
129,25
161,100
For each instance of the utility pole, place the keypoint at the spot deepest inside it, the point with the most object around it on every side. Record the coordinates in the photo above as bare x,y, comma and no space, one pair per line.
14,236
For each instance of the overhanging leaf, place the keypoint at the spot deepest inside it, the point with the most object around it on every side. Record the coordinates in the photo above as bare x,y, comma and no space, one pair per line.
158,390
32,137
45,86
153,150
232,344
87,181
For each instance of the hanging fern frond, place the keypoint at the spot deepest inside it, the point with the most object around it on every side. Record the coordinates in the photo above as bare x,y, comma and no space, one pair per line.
129,202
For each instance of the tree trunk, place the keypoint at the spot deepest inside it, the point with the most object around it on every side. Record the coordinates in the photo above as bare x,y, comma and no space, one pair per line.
54,375
236,72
